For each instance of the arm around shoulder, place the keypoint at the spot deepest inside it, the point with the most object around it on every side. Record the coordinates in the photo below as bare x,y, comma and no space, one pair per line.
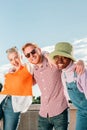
30,68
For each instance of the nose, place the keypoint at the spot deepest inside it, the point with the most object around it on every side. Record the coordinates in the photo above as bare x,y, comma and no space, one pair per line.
60,60
14,61
31,55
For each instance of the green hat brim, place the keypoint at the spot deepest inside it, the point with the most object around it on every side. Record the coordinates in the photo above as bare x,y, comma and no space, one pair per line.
55,53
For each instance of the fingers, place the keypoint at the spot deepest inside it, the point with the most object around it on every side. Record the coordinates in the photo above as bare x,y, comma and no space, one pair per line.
80,67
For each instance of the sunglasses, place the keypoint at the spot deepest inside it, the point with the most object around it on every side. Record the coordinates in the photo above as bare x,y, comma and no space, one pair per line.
32,52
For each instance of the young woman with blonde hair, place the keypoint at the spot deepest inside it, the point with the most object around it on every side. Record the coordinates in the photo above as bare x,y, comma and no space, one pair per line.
16,95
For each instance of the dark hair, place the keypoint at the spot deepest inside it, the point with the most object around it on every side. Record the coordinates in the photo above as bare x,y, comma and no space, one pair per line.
1,86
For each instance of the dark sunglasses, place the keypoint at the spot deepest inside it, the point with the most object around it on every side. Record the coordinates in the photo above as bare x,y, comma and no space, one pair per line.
32,52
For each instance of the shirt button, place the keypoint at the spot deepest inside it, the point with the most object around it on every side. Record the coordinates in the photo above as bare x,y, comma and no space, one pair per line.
44,88
45,97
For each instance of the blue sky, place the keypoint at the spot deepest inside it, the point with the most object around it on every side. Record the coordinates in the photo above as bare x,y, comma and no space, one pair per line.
44,22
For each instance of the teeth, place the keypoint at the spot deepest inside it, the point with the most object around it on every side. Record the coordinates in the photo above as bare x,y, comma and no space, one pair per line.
60,65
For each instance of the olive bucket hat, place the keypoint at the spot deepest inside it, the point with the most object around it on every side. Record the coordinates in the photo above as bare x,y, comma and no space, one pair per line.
63,49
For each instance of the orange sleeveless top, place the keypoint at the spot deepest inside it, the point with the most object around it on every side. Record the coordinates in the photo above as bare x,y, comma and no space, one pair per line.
18,83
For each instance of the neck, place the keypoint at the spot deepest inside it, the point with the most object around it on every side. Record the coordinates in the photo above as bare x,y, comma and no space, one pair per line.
18,67
39,64
70,67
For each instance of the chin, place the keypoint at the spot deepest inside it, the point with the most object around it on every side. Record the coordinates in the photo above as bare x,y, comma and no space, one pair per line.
34,63
60,68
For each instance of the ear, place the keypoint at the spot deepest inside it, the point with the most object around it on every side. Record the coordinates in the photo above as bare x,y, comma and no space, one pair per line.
39,50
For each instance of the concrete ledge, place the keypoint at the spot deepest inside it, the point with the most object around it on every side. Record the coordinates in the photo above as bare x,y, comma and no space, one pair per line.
29,120
34,107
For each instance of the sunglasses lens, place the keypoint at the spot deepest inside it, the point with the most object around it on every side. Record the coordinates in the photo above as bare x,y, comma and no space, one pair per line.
32,52
28,55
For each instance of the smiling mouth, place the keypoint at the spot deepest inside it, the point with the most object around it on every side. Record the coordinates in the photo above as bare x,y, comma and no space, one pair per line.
16,64
60,66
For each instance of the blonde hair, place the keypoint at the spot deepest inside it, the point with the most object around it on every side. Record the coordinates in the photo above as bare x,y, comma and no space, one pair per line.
12,49
29,44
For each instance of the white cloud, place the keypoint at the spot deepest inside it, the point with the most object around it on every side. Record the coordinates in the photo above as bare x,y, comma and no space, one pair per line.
80,40
4,68
48,48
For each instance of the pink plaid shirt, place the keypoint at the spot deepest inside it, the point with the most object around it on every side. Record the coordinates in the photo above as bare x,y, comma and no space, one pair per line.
53,100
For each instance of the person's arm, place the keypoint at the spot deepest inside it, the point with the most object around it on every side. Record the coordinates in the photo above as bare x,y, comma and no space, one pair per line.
1,86
80,67
12,70
51,62
30,68
34,81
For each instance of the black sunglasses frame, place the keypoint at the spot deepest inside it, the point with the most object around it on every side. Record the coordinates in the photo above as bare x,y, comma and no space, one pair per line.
32,52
